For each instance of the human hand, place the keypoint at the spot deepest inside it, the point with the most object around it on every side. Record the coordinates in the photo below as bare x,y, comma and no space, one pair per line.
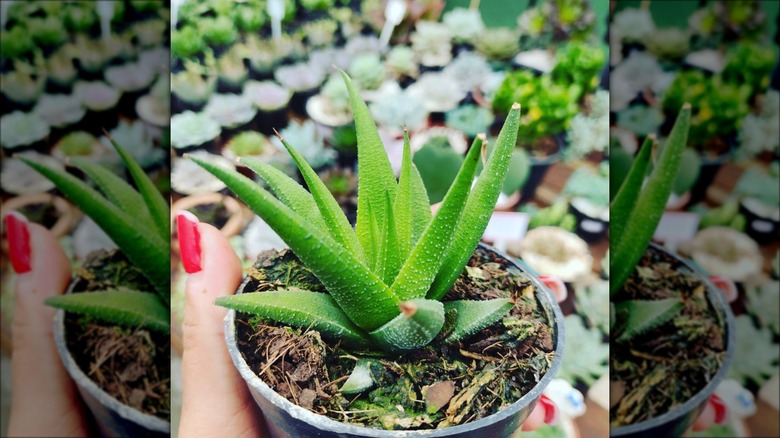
216,401
40,383
214,270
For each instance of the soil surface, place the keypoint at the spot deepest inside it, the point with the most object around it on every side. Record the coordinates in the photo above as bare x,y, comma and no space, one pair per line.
131,365
665,367
437,386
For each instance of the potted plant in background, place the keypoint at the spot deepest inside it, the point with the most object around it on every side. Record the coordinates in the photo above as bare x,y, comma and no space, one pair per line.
401,277
119,298
662,308
271,101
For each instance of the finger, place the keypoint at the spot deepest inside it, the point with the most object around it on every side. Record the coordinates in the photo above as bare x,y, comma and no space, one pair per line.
545,412
715,412
556,286
215,398
40,382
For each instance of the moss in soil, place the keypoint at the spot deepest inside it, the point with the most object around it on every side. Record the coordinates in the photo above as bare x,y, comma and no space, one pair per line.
131,365
437,386
668,365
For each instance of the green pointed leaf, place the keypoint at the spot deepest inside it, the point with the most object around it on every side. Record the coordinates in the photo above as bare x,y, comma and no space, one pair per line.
340,271
287,190
640,316
335,220
126,308
117,190
156,204
390,256
412,208
473,316
479,207
626,195
360,379
649,206
300,309
420,269
377,263
375,175
418,323
144,249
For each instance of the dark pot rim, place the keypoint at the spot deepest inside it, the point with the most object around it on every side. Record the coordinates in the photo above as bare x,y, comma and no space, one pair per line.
718,301
84,383
329,425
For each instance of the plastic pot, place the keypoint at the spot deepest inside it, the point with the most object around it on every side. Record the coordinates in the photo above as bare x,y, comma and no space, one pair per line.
287,420
678,420
112,418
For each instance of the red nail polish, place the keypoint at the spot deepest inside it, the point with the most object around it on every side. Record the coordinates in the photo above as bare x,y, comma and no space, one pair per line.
18,236
550,410
720,409
189,241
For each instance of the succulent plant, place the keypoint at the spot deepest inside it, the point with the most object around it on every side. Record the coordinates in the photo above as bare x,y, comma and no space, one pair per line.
397,111
218,31
400,60
16,43
386,279
22,129
320,33
431,42
755,343
80,17
309,143
368,71
669,43
464,24
498,43
633,25
248,18
248,143
750,63
300,77
317,5
635,214
469,70
589,354
190,129
230,110
640,119
470,119
579,63
191,86
130,77
437,91
60,110
549,106
589,184
761,132
231,67
140,143
532,22
637,73
267,95
590,132
438,165
150,33
763,302
23,84
60,68
593,303
47,31
143,240
75,144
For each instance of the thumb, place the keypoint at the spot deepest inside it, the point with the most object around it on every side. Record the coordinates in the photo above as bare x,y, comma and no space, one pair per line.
216,401
40,382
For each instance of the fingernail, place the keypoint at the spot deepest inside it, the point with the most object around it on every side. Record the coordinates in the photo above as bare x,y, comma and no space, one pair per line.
720,409
556,286
189,241
18,235
550,410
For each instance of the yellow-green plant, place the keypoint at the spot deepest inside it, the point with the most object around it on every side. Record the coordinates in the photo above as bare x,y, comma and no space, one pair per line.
385,278
635,213
137,221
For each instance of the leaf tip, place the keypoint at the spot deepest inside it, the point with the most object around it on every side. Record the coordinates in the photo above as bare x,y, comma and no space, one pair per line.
408,308
279,136
686,106
515,106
